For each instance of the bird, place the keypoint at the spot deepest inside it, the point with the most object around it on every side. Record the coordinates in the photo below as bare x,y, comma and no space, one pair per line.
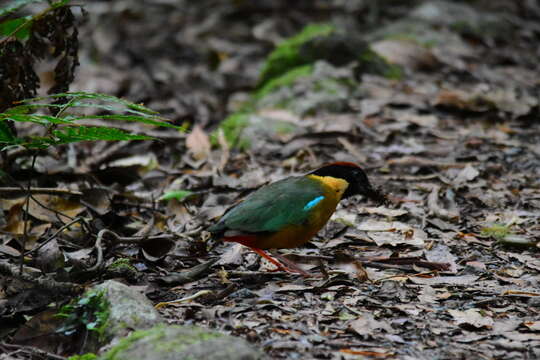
290,212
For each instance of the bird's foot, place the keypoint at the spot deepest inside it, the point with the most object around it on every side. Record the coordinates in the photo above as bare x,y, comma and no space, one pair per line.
283,265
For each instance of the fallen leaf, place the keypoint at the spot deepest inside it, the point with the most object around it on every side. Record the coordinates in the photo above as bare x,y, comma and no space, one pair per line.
8,250
54,208
449,280
97,199
466,174
441,253
471,317
406,53
366,324
532,325
381,210
198,143
49,257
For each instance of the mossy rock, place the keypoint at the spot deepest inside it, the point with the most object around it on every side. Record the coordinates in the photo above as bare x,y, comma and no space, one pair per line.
287,55
128,310
181,342
305,90
236,126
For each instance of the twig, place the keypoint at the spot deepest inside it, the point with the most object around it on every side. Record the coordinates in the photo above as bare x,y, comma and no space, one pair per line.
193,274
46,284
259,275
42,244
185,299
117,239
25,215
411,260
15,191
223,293
99,249
32,351
56,212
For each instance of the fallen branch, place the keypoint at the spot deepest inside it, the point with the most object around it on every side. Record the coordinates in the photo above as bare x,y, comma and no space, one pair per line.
193,274
12,192
31,351
43,283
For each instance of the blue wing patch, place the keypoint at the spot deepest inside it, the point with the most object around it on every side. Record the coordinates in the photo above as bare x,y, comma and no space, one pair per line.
313,202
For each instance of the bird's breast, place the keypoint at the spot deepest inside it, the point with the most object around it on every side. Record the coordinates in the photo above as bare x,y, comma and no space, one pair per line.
320,211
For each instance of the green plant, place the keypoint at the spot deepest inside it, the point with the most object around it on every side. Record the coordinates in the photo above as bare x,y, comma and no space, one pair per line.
65,126
497,231
62,117
89,312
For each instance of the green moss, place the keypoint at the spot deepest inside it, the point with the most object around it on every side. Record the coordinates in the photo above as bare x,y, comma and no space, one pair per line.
286,79
287,54
232,127
179,343
126,342
371,62
156,336
121,264
284,128
88,356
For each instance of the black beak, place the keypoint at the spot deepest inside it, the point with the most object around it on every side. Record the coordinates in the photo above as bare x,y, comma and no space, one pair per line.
375,195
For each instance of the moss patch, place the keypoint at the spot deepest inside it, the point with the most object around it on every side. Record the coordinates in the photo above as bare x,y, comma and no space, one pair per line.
286,79
88,356
125,343
287,55
162,342
233,127
371,62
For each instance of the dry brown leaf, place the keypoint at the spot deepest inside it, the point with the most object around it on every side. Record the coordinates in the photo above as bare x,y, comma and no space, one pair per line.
198,143
532,325
54,208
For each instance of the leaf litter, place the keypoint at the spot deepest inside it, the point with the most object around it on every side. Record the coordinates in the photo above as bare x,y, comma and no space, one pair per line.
448,269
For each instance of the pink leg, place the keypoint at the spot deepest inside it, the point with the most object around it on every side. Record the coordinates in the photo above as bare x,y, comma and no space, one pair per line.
290,268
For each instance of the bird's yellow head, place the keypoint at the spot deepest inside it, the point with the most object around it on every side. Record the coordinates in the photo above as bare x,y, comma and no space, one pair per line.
354,175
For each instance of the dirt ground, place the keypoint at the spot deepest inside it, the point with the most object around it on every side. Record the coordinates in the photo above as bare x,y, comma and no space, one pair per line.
448,269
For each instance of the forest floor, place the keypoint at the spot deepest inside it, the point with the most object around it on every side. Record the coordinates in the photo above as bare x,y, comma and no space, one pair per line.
449,269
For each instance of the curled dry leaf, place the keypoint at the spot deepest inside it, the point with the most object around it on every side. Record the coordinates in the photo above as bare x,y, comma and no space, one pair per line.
49,257
99,200
156,248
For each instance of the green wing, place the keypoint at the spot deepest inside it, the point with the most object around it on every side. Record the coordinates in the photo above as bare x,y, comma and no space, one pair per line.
273,207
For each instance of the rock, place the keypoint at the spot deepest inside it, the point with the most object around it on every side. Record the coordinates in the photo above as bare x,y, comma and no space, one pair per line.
128,310
181,342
